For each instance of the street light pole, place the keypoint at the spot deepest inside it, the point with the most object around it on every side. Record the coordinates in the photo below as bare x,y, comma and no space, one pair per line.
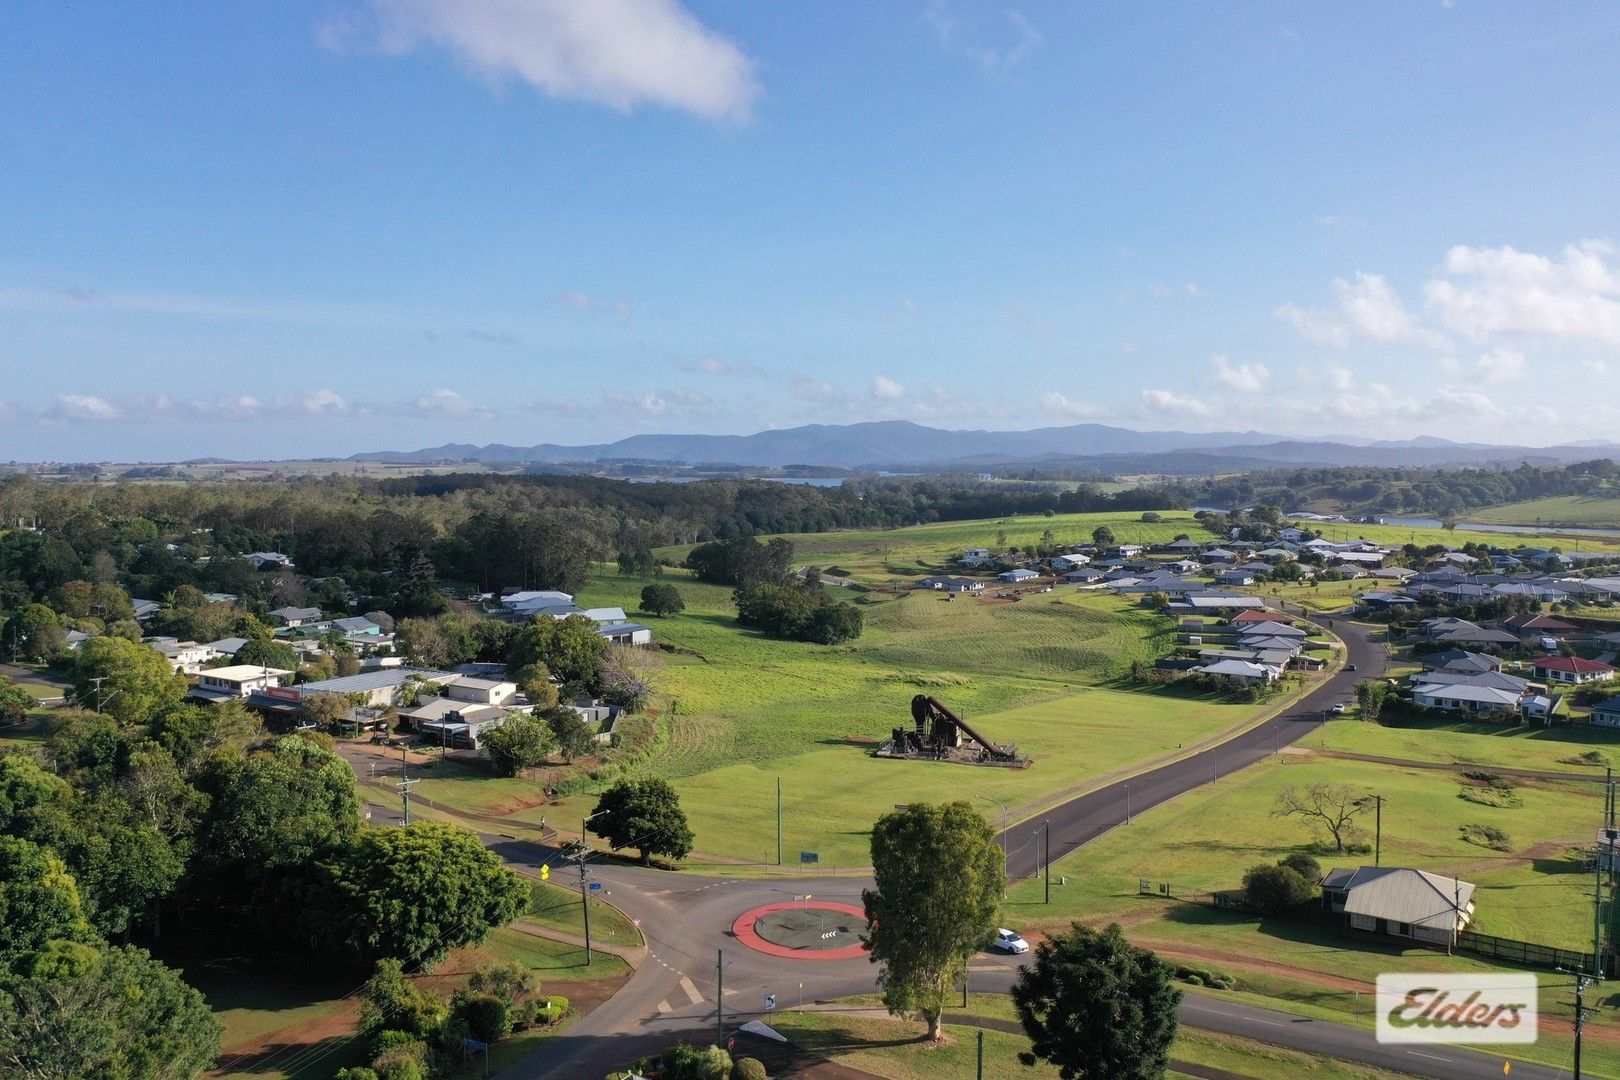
1005,812
584,902
778,821
1046,856
1127,804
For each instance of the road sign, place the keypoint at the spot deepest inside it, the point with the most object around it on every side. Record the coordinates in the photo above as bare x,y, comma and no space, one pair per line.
809,856
770,1002
545,873
595,885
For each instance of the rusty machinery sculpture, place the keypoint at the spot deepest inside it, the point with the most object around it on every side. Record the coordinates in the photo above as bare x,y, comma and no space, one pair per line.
938,734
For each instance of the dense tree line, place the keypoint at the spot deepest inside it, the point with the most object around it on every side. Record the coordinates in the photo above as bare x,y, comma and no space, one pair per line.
1440,492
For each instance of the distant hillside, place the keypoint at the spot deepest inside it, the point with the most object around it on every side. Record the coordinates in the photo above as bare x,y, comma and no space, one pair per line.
900,445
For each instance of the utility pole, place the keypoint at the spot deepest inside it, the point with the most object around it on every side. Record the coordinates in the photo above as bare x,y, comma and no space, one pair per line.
1046,855
1582,980
584,902
405,784
778,821
720,997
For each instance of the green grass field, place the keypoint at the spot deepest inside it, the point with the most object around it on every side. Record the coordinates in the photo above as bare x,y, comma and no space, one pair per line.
1576,510
1042,673
1538,891
1556,749
556,906
890,1048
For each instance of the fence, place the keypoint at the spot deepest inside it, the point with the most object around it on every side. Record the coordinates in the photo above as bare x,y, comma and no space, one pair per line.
1525,953
1528,953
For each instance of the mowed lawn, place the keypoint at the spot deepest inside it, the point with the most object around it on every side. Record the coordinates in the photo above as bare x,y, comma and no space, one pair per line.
1571,748
1042,673
1537,891
1587,511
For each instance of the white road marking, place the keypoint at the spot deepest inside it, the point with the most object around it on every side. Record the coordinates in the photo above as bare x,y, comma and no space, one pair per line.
691,990
1431,1057
663,1006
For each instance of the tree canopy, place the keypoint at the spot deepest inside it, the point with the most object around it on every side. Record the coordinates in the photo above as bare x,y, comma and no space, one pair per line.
645,815
1097,1007
939,880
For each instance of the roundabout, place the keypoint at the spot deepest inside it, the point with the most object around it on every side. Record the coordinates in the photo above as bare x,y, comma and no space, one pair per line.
803,930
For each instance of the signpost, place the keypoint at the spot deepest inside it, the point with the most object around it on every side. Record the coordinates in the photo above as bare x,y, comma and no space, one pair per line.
770,1002
809,856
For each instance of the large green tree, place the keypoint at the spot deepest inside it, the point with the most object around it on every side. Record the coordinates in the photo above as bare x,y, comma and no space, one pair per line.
76,1012
39,901
520,743
1097,1007
414,893
645,815
572,735
939,880
32,633
570,648
125,679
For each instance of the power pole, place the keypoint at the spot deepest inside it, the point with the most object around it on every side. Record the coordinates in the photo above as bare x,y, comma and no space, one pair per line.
405,783
778,821
584,903
720,997
1582,980
1046,856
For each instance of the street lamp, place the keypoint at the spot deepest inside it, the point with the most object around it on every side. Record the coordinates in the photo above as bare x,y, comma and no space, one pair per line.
584,903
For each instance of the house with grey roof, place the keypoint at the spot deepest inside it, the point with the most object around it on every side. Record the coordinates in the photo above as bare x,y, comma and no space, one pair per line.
293,617
1401,902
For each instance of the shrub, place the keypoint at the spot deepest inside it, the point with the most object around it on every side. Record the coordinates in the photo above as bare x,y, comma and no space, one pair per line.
685,1062
1303,865
749,1069
487,1017
1273,888
1488,836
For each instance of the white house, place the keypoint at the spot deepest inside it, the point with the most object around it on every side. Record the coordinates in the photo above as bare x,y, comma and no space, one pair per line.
239,681
481,691
296,616
1572,670
974,556
269,560
1242,669
1401,902
1069,562
184,656
1015,576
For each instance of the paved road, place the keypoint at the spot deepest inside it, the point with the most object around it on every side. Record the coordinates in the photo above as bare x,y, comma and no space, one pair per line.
686,921
1083,819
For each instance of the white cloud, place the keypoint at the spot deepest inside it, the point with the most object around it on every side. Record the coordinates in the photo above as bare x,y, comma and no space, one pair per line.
1244,378
1366,309
995,49
1595,366
713,365
1192,290
1166,403
1339,378
816,391
618,53
446,402
886,389
1059,405
676,402
583,301
1500,365
1485,292
85,407
322,403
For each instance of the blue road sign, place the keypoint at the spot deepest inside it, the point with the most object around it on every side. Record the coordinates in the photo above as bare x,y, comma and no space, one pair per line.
595,885
809,856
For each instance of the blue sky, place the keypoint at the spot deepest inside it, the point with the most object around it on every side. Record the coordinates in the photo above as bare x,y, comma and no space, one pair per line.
309,228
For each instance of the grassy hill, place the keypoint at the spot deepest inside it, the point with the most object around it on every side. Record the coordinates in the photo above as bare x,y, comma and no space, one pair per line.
1586,511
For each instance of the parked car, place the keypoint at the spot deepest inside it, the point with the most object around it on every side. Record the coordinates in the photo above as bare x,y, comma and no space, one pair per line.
1349,667
1009,942
1338,710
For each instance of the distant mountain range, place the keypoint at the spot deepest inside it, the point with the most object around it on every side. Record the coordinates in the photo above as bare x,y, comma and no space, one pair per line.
899,445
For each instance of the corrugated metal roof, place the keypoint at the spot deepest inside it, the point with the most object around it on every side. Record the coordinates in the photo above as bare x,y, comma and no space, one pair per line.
1405,895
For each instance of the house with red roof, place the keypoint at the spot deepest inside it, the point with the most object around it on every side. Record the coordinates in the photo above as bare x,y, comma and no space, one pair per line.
1258,616
1572,669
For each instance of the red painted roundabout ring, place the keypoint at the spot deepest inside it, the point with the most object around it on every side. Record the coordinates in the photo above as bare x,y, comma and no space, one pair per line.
800,938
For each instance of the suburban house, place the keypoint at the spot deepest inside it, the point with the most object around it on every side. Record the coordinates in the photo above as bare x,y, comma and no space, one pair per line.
1088,575
454,723
951,584
1571,669
1245,670
1462,662
357,624
528,602
375,689
1401,902
145,609
1260,616
183,656
1015,576
1467,695
269,560
1539,625
293,617
74,638
228,646
626,633
235,683
1606,713
1069,562
1234,577
974,556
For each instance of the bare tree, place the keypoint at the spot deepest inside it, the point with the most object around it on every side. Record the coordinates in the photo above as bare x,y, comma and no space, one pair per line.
1333,807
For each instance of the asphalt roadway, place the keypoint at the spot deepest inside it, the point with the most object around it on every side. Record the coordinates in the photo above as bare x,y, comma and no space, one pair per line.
686,920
